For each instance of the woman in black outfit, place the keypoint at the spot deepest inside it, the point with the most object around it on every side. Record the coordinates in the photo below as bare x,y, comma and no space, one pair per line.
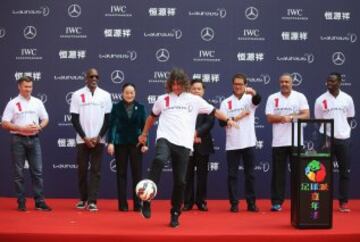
126,124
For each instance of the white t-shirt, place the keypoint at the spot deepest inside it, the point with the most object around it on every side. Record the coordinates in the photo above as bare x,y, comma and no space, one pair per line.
244,136
277,104
91,109
178,115
338,108
22,112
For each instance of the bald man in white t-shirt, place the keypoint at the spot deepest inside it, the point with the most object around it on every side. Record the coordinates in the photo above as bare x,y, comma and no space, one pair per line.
282,108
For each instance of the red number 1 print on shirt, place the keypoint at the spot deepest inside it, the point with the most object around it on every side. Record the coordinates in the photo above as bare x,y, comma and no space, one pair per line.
325,104
229,105
18,105
82,97
167,101
276,102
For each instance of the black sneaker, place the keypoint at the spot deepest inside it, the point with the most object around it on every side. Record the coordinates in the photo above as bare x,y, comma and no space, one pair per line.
203,207
123,208
252,208
21,207
42,206
146,209
174,220
234,208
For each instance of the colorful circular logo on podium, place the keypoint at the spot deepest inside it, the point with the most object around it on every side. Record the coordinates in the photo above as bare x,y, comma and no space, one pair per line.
315,171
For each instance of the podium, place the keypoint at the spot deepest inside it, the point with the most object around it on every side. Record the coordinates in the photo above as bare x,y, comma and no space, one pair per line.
311,174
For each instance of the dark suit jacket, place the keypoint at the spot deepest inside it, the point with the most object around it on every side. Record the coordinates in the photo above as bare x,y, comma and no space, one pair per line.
204,124
125,130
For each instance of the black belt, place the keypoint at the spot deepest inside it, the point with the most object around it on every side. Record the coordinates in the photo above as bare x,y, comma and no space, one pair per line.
27,136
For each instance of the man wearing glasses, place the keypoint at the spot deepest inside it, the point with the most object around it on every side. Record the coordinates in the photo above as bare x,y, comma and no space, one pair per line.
90,111
241,141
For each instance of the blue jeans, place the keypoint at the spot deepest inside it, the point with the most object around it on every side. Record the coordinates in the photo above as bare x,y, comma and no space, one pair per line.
27,148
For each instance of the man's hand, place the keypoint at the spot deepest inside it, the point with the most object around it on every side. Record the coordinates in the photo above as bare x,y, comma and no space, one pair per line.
231,123
95,140
286,119
110,149
241,115
142,138
30,128
251,91
88,142
197,140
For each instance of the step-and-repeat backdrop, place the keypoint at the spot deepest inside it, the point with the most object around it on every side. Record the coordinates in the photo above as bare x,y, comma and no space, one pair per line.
136,41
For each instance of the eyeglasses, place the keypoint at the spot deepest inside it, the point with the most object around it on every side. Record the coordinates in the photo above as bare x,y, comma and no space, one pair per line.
94,76
239,84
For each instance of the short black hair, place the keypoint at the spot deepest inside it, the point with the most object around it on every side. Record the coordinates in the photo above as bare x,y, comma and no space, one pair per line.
337,75
24,79
197,80
239,76
126,85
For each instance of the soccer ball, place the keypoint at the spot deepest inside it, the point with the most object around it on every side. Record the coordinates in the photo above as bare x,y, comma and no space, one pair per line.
146,189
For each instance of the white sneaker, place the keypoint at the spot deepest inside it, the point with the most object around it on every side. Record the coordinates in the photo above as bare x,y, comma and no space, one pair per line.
81,205
92,207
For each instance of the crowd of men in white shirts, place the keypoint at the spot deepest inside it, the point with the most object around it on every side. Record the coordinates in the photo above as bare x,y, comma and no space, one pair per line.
25,117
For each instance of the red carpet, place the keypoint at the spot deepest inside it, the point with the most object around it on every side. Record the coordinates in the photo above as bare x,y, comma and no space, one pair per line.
67,223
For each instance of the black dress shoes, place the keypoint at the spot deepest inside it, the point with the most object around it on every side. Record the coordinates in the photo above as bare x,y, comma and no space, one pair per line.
202,207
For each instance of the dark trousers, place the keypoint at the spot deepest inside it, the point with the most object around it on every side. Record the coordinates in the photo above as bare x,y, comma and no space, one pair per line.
123,154
179,157
233,158
27,148
85,155
280,157
342,155
200,162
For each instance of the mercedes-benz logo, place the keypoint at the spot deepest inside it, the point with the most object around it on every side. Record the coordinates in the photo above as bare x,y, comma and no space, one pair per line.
251,13
68,97
353,37
207,34
178,33
2,33
266,78
297,78
132,54
113,165
162,55
338,58
30,32
45,11
74,10
43,97
117,76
